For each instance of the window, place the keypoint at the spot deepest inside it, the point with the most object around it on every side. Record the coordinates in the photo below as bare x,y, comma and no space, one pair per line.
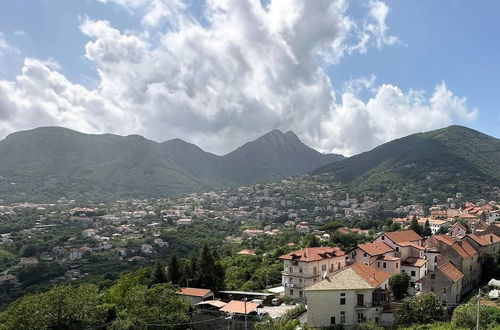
315,270
397,248
332,320
432,289
385,265
361,317
413,273
342,317
300,270
444,290
342,294
436,259
301,294
291,292
365,254
300,280
378,264
323,268
361,299
383,238
397,265
342,301
433,276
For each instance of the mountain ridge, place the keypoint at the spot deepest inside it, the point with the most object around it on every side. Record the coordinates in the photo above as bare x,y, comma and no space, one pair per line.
50,162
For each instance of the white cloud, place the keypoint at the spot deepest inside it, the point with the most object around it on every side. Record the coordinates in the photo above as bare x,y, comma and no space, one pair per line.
246,70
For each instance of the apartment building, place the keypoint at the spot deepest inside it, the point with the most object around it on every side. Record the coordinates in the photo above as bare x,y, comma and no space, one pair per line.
305,267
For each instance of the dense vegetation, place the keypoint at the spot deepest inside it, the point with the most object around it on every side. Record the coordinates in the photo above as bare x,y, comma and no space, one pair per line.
438,163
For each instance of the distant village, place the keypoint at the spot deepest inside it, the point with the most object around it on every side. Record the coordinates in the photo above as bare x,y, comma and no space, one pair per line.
339,286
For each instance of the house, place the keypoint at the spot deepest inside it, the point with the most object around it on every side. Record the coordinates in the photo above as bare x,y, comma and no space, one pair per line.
89,232
492,216
196,295
28,261
378,255
75,254
354,295
303,227
184,222
146,248
462,254
302,268
8,279
484,244
246,252
408,246
446,282
457,230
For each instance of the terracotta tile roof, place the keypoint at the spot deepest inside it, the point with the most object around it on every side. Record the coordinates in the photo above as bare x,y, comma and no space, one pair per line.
370,275
194,292
356,277
412,245
375,249
452,272
388,258
415,262
215,303
402,236
246,252
444,239
314,254
469,249
485,240
238,307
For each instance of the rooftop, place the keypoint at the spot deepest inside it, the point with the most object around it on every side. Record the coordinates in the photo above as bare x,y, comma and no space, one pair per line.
239,307
194,292
403,236
356,277
375,249
314,254
451,271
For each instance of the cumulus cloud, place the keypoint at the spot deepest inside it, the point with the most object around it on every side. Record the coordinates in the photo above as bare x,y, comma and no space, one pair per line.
245,70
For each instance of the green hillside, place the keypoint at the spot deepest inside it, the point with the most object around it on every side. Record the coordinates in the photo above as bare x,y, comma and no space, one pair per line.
52,162
449,160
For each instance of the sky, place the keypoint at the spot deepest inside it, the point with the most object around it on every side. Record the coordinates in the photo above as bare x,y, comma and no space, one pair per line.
345,76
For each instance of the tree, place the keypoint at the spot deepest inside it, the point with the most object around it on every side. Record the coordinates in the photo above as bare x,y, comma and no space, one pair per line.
427,229
466,316
422,309
399,283
313,242
62,307
415,226
174,269
158,275
210,274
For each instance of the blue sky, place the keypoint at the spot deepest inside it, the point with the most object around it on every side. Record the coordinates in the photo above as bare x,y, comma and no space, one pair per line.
454,42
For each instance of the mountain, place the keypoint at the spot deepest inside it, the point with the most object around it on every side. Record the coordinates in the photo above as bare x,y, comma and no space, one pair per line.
50,162
272,156
449,160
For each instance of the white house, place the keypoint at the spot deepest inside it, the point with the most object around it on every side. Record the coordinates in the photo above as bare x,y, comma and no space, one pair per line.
146,248
354,295
305,267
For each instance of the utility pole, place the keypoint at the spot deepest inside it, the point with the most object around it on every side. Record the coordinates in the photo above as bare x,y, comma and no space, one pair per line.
245,300
478,306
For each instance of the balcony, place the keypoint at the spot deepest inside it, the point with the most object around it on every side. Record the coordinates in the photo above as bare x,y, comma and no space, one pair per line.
300,275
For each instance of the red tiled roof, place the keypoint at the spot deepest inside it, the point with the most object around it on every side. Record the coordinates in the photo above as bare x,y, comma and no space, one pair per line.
451,271
412,245
415,262
485,240
237,306
388,258
314,254
375,249
402,236
370,275
444,239
194,292
469,249
246,252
